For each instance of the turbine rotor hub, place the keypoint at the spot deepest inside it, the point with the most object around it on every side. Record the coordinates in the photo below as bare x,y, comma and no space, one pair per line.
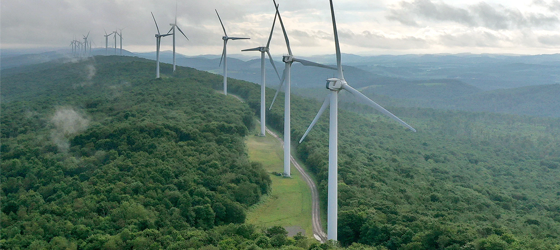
288,59
263,49
335,84
225,38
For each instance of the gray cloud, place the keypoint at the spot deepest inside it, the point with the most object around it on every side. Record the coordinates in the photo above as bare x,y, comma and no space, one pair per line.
549,40
553,5
478,15
368,39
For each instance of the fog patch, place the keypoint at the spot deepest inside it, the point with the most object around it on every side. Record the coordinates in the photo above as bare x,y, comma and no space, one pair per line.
66,122
89,73
116,90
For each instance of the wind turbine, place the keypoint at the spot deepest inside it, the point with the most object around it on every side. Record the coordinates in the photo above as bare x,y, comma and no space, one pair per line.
120,35
107,42
288,60
86,43
158,43
224,53
115,36
263,50
173,26
73,45
335,85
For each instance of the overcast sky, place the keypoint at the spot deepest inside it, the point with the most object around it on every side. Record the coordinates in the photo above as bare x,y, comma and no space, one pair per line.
366,27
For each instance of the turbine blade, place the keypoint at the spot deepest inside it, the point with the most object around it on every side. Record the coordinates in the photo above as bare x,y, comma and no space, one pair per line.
168,32
105,32
310,63
223,54
373,104
279,87
326,103
337,44
225,33
253,49
283,29
154,22
273,65
182,32
238,38
176,12
271,30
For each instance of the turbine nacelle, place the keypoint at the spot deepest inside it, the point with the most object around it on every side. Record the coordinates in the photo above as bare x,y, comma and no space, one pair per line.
335,84
288,58
225,38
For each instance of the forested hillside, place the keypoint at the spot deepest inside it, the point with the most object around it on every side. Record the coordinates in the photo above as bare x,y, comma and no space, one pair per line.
99,155
464,181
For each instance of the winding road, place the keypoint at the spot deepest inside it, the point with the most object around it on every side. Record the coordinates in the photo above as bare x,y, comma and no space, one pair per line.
318,232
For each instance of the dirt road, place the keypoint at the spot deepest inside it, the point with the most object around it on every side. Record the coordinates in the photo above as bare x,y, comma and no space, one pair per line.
318,232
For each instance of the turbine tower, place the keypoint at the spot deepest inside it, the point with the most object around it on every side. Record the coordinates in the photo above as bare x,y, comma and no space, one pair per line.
335,85
173,27
73,45
107,42
86,44
224,53
158,43
263,50
288,60
115,36
120,35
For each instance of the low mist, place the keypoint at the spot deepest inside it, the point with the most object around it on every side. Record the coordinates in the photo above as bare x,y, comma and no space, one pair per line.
67,122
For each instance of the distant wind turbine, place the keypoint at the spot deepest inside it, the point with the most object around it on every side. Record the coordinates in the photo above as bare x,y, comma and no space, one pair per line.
120,35
86,44
335,85
224,52
107,42
288,60
173,26
158,43
115,36
263,50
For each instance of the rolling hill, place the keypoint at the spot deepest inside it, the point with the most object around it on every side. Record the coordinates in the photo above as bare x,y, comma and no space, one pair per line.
96,154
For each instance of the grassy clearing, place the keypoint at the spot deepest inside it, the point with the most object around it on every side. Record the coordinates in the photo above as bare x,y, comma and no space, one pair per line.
290,202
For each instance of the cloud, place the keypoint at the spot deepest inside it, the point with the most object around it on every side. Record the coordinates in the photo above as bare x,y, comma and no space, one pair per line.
553,5
549,40
495,17
66,122
369,39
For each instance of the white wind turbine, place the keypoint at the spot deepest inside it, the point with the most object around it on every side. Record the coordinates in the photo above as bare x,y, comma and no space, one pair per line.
115,36
224,52
288,60
263,50
335,85
158,43
173,26
73,45
86,44
120,35
107,42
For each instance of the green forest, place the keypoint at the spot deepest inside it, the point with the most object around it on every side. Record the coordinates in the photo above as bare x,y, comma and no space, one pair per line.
96,154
